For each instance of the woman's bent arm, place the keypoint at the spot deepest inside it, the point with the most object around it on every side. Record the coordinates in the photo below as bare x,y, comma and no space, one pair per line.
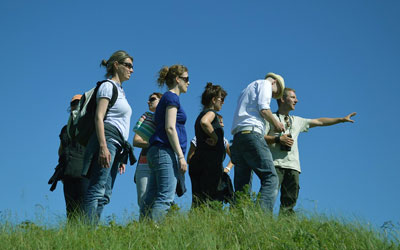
170,122
104,153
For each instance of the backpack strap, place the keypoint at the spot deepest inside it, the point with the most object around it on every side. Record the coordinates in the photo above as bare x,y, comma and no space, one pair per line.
114,96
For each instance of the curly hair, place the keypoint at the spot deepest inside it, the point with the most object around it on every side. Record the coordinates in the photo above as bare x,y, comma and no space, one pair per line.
166,75
210,92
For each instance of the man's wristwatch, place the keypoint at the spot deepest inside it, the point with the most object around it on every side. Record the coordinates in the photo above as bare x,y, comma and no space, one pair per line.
277,139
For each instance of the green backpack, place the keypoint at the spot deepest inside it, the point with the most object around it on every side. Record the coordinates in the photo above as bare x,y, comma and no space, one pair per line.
81,126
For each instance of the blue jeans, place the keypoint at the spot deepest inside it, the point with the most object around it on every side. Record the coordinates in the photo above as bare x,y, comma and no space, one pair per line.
250,152
160,194
142,176
101,182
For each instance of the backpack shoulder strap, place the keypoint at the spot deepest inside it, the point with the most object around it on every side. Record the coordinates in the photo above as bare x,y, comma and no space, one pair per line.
114,94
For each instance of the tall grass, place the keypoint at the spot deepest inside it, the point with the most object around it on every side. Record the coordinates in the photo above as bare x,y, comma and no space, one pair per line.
210,227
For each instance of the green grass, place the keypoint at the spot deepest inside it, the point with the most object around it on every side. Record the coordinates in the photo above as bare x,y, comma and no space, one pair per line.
211,227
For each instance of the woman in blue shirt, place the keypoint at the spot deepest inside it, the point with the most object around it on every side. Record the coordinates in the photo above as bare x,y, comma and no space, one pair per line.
166,154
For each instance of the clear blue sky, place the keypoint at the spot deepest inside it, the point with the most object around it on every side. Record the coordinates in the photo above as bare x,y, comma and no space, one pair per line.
340,56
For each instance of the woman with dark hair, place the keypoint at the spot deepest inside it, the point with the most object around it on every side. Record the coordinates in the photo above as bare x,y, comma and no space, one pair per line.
144,129
166,154
107,146
193,145
206,167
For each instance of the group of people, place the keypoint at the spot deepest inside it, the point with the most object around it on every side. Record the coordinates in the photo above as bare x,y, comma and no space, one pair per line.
264,143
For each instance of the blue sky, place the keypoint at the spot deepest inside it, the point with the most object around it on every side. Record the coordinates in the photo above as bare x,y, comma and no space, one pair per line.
340,56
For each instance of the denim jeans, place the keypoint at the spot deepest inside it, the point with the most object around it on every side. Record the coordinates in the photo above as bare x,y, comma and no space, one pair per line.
101,182
160,194
250,152
142,176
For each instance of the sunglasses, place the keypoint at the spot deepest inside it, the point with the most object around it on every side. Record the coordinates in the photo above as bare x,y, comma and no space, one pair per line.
128,65
152,99
185,79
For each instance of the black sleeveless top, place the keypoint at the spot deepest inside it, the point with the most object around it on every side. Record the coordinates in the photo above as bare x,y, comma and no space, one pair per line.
201,136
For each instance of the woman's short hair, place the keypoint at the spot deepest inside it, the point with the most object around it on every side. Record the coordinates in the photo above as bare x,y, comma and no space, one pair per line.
117,56
210,92
159,95
166,75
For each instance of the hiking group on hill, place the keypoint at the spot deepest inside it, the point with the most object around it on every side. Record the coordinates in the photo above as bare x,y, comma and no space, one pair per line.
94,145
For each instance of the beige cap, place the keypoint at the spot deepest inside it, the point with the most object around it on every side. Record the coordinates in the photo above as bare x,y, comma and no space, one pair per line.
280,81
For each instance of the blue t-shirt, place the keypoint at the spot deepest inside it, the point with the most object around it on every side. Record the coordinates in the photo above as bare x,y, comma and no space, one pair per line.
160,135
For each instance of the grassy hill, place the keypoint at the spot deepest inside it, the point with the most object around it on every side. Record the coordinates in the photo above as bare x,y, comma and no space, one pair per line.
209,227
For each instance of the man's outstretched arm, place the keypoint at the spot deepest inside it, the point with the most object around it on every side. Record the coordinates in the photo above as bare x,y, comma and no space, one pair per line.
331,121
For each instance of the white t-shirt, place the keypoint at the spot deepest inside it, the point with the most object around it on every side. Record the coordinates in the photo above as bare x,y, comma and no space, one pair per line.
255,97
119,115
288,159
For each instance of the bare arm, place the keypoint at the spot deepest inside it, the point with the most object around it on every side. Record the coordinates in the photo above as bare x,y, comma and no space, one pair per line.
205,124
331,121
269,139
104,153
230,164
139,142
267,115
170,122
192,149
283,139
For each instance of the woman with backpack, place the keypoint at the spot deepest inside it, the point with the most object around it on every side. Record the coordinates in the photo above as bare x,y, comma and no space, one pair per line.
206,167
166,154
144,129
108,145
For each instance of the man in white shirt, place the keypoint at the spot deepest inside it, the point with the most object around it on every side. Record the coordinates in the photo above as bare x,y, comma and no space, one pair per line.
284,148
249,150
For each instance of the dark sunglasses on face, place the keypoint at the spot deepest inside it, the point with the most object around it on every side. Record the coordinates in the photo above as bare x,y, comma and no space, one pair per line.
128,65
152,99
185,79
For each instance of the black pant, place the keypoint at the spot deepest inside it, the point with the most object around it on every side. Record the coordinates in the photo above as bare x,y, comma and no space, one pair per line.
290,186
74,190
205,171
